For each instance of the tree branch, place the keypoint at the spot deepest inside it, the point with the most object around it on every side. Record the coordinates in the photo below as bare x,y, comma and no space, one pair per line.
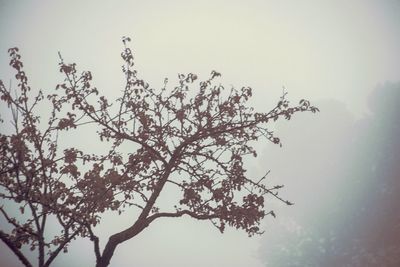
180,214
11,245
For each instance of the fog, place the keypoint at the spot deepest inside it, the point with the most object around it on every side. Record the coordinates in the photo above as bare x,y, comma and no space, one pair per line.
347,196
340,166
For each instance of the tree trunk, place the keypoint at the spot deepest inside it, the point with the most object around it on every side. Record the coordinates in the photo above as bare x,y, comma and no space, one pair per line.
117,239
139,225
108,252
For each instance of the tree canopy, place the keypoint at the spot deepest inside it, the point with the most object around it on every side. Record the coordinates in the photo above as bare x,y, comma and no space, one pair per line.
194,136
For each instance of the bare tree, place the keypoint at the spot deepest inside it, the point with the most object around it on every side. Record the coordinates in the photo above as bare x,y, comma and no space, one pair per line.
195,140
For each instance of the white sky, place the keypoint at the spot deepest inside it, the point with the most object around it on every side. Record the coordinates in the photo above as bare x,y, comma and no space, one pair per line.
317,49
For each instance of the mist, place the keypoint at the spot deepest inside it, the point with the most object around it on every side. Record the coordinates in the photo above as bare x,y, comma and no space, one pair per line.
346,188
340,166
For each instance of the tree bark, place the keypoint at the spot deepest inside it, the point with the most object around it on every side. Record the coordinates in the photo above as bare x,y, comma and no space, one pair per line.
117,239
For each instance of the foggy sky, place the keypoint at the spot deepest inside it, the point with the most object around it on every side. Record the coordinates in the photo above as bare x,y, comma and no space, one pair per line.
338,54
346,211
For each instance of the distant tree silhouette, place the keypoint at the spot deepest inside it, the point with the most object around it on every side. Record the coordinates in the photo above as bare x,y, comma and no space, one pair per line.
197,144
358,223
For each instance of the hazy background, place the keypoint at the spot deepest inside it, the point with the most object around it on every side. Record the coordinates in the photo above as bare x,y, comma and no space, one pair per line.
340,167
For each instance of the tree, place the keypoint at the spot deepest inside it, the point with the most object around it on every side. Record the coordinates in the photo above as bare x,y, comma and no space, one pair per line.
36,179
196,144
